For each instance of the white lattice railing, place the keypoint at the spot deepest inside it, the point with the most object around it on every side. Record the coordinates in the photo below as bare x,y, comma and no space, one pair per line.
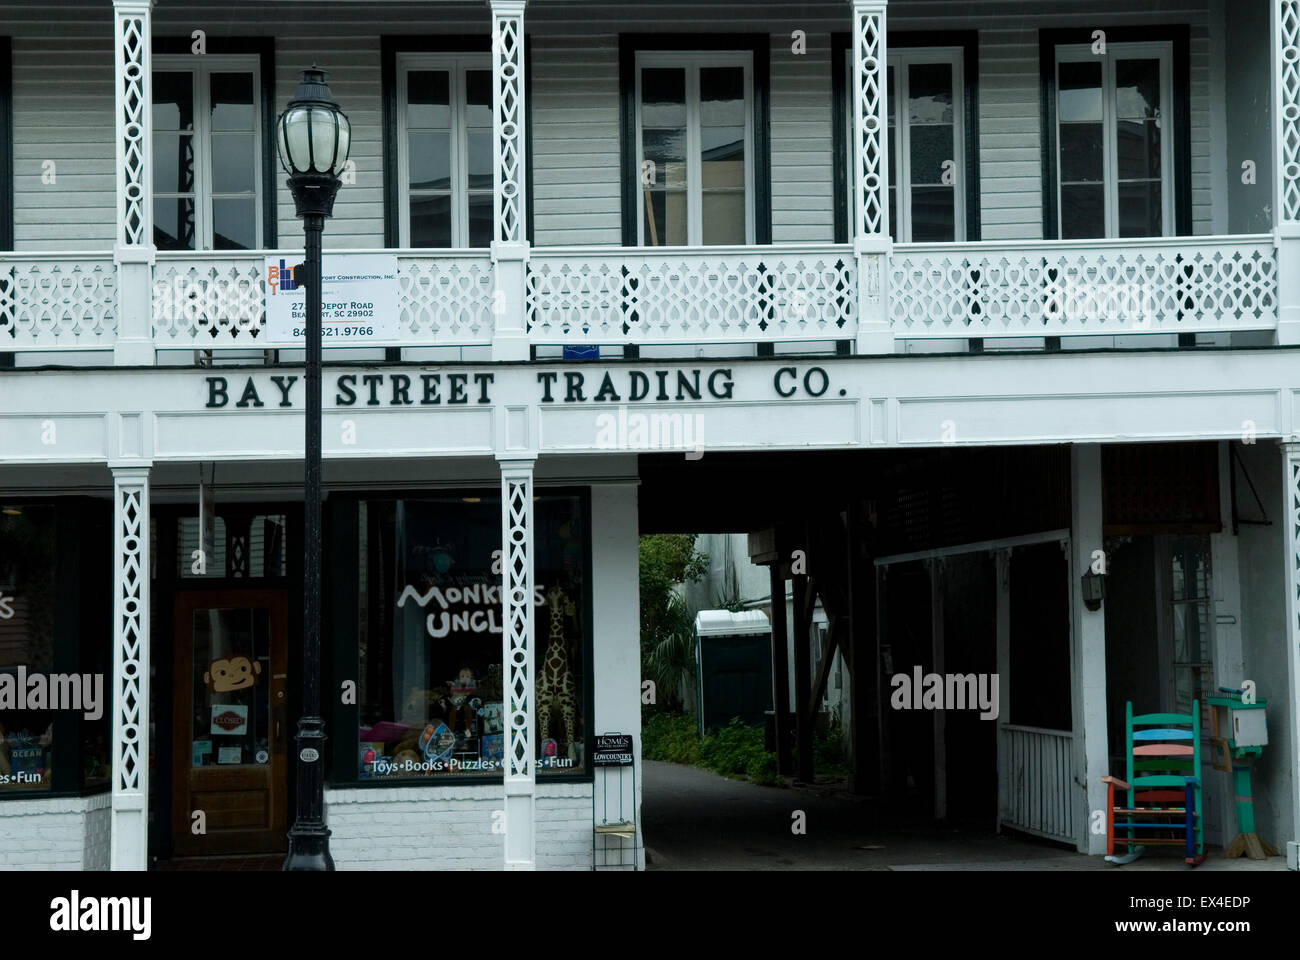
1053,288
1040,794
65,301
596,295
218,300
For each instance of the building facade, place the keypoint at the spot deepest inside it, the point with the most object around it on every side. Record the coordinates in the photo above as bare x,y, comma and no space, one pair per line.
947,304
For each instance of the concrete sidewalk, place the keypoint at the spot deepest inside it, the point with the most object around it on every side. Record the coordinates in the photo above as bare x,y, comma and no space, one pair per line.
697,820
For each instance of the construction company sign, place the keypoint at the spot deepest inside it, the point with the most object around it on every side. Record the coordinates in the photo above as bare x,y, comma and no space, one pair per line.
358,299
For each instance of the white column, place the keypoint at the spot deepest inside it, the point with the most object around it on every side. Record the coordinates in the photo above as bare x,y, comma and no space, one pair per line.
1087,648
133,249
509,179
1291,573
129,843
1286,165
870,176
518,651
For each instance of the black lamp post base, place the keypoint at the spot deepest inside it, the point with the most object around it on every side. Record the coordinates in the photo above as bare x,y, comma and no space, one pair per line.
309,848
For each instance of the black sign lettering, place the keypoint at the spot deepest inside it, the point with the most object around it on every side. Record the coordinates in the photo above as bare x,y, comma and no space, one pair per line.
346,396
217,396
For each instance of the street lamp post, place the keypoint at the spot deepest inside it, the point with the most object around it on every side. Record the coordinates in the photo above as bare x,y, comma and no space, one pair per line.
314,137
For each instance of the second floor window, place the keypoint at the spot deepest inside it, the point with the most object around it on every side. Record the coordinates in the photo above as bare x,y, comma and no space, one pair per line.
207,153
1114,141
445,150
927,164
694,148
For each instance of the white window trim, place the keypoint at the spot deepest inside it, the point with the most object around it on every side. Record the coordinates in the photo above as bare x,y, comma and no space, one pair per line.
201,68
900,140
456,65
692,61
1157,50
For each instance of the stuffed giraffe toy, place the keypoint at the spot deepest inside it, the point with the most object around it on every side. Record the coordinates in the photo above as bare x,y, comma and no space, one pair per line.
555,687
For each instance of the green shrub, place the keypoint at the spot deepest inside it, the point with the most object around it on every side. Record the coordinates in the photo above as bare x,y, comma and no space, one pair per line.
672,737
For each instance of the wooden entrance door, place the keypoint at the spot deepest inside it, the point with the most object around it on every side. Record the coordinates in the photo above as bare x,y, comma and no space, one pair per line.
230,728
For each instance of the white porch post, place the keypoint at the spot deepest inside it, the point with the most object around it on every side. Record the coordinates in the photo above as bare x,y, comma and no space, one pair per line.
1291,493
1286,165
133,249
870,177
518,652
1087,647
129,829
509,178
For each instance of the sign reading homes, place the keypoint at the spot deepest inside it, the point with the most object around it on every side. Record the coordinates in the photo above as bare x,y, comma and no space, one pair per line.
358,299
626,385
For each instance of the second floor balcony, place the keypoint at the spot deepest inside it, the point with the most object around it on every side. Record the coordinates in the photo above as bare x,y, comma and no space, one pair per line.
555,177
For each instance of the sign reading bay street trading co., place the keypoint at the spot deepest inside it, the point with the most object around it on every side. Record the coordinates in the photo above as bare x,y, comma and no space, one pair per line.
358,299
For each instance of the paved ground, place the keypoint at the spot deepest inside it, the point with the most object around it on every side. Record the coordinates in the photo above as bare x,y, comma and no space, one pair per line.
697,820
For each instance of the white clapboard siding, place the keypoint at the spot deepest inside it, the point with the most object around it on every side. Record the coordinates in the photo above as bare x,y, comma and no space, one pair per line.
63,125
63,103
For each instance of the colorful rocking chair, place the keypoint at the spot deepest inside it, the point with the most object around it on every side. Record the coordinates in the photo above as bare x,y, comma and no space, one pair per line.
1163,783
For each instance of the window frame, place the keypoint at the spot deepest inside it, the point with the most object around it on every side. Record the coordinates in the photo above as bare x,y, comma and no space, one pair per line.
758,45
391,46
1180,151
456,64
962,44
692,62
1159,50
256,56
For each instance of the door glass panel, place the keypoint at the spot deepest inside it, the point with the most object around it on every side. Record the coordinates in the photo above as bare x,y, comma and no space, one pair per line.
431,221
480,159
932,214
722,159
173,101
480,219
428,99
1083,211
173,162
1080,92
232,664
1138,144
233,163
232,101
929,93
430,164
478,98
663,144
234,223
173,224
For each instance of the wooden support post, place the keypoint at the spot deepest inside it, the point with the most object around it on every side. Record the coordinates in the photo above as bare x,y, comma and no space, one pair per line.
863,710
805,701
780,672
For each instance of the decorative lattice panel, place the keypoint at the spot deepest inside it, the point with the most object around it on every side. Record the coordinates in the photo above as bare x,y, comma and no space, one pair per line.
58,304
130,608
517,520
215,302
1288,54
871,206
131,74
508,120
696,297
1158,286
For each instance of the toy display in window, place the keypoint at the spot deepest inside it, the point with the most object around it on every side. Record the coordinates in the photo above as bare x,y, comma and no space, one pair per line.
555,687
464,703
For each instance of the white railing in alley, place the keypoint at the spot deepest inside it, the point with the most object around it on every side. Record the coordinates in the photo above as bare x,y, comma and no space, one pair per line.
218,300
64,301
1053,288
1039,783
674,295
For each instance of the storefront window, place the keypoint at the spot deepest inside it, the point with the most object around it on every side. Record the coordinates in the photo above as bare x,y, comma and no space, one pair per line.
430,667
27,535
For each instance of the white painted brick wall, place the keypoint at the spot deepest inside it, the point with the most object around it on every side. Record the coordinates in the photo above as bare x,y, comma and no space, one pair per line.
450,828
55,833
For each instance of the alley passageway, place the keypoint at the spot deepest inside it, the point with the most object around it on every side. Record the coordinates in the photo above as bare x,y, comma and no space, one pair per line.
698,820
